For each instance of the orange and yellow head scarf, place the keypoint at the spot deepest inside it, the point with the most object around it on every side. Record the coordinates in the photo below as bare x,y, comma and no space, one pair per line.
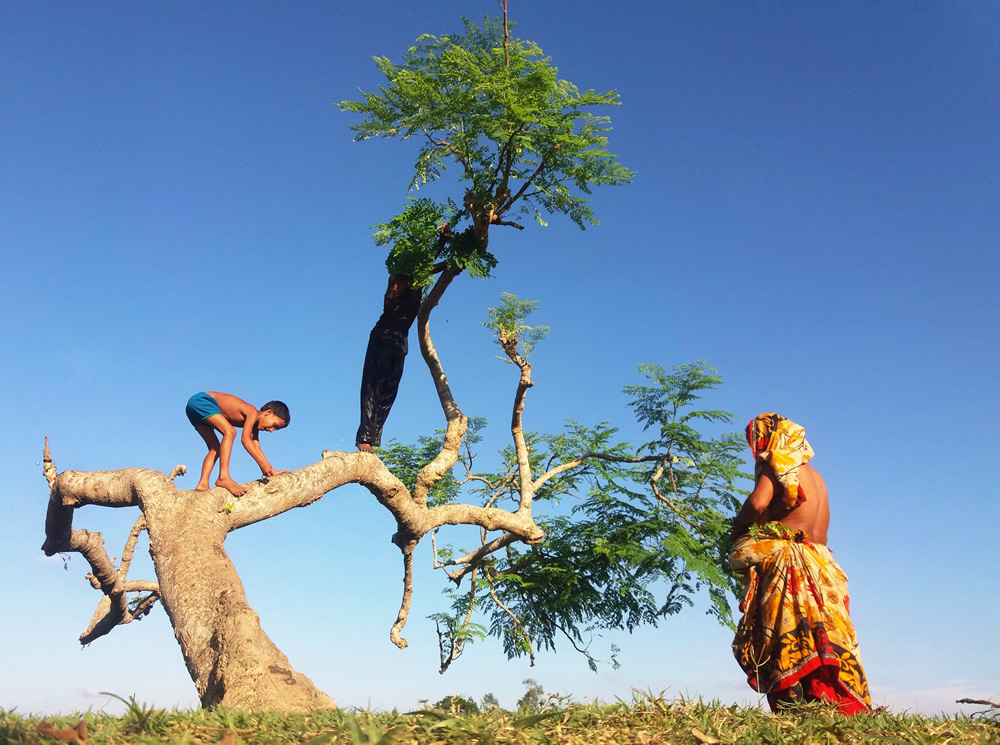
782,443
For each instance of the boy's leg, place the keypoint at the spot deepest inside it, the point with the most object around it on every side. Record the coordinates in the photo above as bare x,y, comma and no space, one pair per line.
220,423
207,433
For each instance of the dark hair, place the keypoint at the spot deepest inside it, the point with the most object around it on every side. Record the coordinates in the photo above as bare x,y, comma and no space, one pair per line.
279,409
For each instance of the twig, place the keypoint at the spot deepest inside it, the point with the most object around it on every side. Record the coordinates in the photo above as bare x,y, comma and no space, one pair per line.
456,642
979,702
665,500
48,467
519,629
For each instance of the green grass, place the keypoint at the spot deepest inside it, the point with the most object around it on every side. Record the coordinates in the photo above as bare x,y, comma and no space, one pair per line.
645,720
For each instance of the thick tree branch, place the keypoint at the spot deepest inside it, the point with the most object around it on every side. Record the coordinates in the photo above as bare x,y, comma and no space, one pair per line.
474,559
489,518
457,422
74,489
509,345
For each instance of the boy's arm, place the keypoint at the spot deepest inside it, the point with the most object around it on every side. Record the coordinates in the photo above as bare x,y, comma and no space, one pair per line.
251,442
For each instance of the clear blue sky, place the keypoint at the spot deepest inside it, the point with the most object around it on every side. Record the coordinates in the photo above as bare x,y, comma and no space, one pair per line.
816,213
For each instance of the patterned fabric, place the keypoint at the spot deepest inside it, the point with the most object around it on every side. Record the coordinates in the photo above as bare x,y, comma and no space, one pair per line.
782,443
795,640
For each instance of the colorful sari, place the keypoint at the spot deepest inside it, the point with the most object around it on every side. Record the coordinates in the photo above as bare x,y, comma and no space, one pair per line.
796,641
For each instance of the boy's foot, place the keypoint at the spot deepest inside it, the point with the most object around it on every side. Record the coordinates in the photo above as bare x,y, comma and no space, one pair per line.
364,447
202,487
235,489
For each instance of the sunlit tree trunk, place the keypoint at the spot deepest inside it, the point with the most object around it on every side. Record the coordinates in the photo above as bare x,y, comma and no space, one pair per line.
232,662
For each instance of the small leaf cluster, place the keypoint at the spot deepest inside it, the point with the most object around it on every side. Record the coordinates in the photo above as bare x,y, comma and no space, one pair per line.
420,242
508,322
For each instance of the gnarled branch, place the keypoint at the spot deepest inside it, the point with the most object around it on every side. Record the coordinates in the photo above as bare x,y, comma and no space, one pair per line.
404,606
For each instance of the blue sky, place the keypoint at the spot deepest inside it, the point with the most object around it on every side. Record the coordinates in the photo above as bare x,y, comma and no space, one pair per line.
815,212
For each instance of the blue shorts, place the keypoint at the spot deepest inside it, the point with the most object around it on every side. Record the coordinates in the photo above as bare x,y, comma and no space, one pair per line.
200,407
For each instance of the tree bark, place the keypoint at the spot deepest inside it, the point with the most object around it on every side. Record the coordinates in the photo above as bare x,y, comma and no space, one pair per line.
232,662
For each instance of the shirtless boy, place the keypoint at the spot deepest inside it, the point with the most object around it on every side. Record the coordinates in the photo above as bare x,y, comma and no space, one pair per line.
211,411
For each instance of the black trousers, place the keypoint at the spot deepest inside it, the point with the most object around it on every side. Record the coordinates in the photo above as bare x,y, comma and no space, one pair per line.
380,382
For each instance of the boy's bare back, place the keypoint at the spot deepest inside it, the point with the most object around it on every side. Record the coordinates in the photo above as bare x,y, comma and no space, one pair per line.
234,409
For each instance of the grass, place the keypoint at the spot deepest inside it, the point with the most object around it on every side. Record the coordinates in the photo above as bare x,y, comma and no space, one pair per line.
645,720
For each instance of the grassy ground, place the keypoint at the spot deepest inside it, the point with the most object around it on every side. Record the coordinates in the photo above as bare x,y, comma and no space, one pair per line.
645,721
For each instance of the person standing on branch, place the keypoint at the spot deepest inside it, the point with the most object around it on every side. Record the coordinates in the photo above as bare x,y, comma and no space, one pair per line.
795,641
417,246
384,358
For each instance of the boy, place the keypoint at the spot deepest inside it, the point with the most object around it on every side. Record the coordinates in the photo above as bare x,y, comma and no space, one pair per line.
211,411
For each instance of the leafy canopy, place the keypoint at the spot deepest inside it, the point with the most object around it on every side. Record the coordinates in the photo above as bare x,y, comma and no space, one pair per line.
524,142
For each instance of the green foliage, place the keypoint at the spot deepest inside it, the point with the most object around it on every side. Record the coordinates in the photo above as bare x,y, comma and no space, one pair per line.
418,239
453,627
523,140
641,540
405,461
508,322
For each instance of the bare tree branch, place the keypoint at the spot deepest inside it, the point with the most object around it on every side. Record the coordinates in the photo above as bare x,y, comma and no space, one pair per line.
980,702
473,559
404,606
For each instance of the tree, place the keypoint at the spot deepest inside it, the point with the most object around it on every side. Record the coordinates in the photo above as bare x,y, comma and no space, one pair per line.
489,702
457,705
533,699
651,519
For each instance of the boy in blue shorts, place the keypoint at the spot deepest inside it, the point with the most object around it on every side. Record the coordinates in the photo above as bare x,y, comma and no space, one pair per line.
211,411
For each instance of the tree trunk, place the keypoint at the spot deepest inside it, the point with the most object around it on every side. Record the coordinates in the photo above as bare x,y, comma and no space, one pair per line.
232,662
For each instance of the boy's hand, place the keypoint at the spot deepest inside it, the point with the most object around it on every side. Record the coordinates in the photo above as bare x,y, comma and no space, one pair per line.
270,471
